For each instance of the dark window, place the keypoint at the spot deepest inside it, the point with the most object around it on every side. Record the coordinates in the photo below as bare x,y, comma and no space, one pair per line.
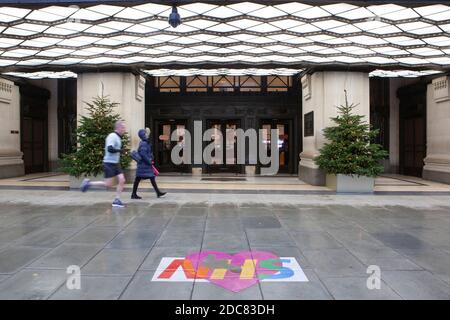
309,124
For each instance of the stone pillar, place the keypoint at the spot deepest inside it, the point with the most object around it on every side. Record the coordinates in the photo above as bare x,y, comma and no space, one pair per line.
322,93
124,88
437,161
11,163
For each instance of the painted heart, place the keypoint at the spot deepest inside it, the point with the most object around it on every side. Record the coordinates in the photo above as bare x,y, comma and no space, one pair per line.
231,279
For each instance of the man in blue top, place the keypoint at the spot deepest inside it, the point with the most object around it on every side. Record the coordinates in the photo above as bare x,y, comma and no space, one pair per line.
111,164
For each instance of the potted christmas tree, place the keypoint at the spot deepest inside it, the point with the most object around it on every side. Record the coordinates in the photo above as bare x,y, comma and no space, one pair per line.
87,160
349,158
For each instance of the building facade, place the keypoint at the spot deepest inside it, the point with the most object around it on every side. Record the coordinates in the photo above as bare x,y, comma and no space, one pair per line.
229,65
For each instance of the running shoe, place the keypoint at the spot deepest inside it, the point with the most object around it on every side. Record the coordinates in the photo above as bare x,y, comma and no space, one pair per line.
118,203
85,185
162,194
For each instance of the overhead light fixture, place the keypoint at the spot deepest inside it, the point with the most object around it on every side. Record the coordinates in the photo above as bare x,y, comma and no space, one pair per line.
174,17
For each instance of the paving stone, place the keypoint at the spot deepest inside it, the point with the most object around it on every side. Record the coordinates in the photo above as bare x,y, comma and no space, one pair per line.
186,223
392,264
230,225
65,256
255,212
134,239
116,220
149,223
223,212
314,240
115,262
287,251
94,288
41,220
269,237
171,238
401,240
47,237
434,260
417,285
355,288
334,262
225,242
142,288
311,290
94,235
301,223
72,221
211,291
16,232
32,284
12,259
157,253
192,212
260,222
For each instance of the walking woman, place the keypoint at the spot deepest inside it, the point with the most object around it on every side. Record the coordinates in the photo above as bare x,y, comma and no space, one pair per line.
145,165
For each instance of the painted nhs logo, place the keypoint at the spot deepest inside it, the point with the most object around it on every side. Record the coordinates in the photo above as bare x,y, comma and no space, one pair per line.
234,272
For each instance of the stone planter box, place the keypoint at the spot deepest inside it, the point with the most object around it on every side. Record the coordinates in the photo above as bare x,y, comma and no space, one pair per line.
350,184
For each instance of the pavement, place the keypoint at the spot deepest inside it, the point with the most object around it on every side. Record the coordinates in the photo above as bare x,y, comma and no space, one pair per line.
231,183
337,241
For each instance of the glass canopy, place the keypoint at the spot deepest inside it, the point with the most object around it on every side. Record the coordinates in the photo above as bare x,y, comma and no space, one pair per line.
291,35
223,72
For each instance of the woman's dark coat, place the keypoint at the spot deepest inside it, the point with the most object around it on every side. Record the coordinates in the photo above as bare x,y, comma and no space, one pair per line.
144,167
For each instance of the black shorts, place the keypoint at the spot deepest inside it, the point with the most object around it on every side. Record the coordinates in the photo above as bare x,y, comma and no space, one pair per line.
111,169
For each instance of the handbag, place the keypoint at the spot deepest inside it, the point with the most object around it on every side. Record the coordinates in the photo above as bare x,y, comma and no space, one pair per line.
155,171
135,156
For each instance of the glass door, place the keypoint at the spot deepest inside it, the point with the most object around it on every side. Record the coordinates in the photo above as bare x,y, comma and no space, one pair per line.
224,155
163,145
283,141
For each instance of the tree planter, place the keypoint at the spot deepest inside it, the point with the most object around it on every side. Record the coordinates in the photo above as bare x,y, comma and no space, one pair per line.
350,184
91,134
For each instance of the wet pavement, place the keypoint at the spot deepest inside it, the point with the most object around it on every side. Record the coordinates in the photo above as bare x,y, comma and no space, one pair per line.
120,250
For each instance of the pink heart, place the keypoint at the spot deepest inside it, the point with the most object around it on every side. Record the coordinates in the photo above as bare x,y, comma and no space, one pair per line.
232,281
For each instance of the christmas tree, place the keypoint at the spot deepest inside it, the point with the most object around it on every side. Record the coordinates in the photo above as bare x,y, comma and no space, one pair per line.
350,150
91,134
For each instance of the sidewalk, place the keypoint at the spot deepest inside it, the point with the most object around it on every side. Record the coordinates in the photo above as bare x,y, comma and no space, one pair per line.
387,184
334,239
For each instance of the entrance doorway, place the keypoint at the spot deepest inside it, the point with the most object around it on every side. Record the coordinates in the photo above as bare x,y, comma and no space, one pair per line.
163,144
284,141
34,131
224,139
412,129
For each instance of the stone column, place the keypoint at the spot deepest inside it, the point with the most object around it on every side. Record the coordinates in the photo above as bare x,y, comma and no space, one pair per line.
124,88
322,93
437,161
11,163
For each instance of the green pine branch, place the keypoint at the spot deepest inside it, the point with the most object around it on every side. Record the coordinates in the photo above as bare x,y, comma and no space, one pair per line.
91,134
350,149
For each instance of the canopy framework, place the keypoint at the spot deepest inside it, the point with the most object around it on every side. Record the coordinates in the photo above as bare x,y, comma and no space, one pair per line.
289,35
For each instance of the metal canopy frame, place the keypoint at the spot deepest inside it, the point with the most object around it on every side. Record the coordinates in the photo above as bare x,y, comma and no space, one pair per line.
217,34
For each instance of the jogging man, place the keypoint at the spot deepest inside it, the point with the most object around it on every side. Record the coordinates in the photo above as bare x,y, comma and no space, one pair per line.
111,164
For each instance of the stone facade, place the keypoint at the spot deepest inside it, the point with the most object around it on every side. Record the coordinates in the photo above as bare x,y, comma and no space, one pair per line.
11,163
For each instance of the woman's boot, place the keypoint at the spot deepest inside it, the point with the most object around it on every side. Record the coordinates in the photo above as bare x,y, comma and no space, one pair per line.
159,194
135,187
